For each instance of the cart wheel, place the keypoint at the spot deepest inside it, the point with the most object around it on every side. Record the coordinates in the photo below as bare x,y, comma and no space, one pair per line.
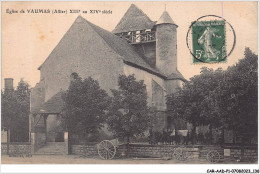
213,156
106,149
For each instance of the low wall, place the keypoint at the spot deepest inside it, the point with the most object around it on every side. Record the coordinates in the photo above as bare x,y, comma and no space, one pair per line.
16,148
135,150
138,150
250,152
195,152
231,152
87,150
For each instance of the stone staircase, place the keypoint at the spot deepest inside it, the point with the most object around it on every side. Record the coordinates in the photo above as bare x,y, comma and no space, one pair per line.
52,148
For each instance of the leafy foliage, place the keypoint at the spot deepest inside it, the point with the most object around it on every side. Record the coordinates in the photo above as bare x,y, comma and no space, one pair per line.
85,107
220,98
15,112
128,115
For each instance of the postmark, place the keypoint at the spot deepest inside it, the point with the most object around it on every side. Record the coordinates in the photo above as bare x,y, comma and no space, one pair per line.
206,39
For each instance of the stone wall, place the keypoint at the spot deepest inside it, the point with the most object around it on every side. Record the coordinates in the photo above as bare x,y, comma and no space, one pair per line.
231,152
16,148
166,151
148,51
250,153
83,51
160,151
87,150
135,150
166,48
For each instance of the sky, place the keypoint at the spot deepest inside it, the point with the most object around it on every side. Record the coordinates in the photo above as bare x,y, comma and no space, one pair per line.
28,38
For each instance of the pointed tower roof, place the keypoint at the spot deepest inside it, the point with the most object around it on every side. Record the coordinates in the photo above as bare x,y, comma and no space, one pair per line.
133,20
165,19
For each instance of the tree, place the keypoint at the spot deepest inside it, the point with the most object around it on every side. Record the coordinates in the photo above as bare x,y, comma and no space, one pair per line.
85,107
128,114
15,112
221,99
194,103
238,97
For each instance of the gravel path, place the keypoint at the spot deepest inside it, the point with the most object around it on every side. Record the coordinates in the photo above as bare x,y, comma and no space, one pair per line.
73,159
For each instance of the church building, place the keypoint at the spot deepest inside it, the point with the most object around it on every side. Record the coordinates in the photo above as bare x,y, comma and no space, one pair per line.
137,45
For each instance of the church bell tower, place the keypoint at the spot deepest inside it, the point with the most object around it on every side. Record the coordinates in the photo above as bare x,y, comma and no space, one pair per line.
166,44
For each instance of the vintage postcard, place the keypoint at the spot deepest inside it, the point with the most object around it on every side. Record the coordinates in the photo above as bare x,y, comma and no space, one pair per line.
130,83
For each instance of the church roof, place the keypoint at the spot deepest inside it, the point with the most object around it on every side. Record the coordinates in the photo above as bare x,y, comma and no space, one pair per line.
176,75
53,105
123,48
165,19
133,20
82,31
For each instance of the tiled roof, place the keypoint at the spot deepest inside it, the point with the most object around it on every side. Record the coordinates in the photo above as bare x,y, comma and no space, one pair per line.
176,75
133,20
82,31
78,37
53,105
123,48
165,19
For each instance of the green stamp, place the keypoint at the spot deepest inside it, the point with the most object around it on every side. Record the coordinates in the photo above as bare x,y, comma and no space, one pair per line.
209,41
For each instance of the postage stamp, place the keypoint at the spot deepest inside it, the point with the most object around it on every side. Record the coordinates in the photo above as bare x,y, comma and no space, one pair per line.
209,41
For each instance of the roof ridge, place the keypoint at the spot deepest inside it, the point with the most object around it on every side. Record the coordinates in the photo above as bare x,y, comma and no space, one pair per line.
76,20
117,45
133,5
133,19
91,25
123,40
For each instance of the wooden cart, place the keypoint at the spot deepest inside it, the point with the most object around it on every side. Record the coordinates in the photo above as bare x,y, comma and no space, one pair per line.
107,148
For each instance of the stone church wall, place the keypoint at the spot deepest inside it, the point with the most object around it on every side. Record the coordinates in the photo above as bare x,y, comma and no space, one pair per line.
148,78
83,52
166,48
148,51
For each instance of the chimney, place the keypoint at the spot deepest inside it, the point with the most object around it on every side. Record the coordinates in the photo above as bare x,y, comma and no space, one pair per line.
9,84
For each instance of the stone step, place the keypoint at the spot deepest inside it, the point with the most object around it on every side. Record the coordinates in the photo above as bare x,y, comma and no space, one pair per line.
49,142
48,153
52,148
55,147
